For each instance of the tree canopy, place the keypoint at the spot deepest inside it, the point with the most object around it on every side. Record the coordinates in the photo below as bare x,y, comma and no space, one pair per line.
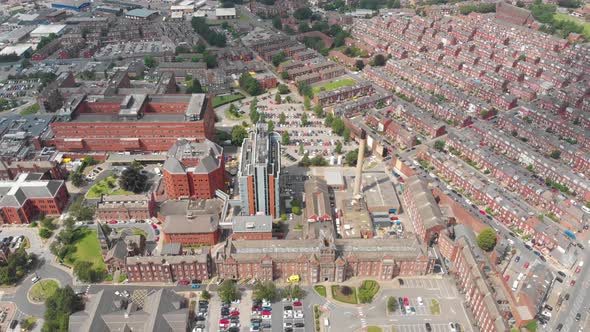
238,134
59,306
16,266
132,179
212,37
265,290
228,291
486,240
250,84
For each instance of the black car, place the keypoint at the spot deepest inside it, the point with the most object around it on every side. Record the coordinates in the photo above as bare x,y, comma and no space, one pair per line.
14,323
428,327
567,297
200,318
528,247
580,246
401,282
559,327
266,326
303,325
578,317
543,258
288,329
517,259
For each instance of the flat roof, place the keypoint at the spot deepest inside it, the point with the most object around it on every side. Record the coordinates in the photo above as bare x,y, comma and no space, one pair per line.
141,12
252,224
47,29
18,49
225,11
379,191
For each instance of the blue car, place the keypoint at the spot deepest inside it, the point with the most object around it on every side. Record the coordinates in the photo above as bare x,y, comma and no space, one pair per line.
266,308
195,286
157,231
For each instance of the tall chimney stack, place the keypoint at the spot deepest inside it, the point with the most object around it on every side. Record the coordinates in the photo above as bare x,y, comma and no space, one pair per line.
359,165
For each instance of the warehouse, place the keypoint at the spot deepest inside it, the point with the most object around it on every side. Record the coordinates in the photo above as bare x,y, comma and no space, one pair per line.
225,13
46,30
73,5
141,14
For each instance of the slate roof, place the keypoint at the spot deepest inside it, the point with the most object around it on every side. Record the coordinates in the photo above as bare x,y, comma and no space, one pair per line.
207,153
15,193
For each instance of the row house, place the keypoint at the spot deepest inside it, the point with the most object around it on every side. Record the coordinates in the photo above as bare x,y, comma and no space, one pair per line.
308,78
511,74
305,55
505,101
421,121
47,50
522,92
126,207
345,93
529,69
290,65
397,133
423,210
554,124
298,71
331,73
355,107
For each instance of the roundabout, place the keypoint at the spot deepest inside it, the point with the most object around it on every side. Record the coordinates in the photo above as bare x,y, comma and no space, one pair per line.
41,290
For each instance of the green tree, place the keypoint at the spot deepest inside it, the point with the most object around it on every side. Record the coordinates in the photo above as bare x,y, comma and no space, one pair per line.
329,120
305,89
285,138
276,22
338,126
555,154
265,290
303,13
282,118
238,134
283,89
318,110
346,134
293,292
392,304
200,48
149,61
195,87
278,58
271,125
205,295
278,98
77,179
379,60
250,84
304,120
284,75
306,103
254,116
210,59
45,233
59,306
86,272
228,291
351,157
28,324
319,160
133,180
338,148
439,145
296,210
486,240
283,217
16,266
80,211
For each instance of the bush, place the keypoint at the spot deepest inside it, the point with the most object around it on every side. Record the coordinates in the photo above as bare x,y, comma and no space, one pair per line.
86,272
45,233
345,290
486,240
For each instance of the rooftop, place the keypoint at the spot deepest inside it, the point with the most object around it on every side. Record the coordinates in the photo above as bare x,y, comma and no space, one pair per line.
141,13
252,224
16,193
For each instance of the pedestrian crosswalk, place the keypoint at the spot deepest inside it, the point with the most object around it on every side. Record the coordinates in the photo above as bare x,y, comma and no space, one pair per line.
421,327
362,317
444,286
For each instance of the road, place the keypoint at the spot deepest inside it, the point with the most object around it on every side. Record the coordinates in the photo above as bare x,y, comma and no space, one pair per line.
579,301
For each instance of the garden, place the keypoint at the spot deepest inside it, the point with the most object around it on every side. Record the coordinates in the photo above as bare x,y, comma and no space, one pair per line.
333,85
321,290
107,186
367,291
344,294
42,290
222,100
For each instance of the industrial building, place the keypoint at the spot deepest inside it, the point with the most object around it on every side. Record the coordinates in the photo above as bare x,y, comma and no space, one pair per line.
258,176
46,30
73,5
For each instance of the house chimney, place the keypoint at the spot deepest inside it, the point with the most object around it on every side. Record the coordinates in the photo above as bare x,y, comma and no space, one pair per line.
359,165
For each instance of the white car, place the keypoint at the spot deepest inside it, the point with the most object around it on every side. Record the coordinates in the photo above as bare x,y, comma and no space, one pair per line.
298,314
35,279
420,302
287,324
452,327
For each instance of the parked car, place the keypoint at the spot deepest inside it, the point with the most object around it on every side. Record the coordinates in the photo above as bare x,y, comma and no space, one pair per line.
428,327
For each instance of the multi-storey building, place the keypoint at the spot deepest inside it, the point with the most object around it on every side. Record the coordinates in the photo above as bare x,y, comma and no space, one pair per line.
51,170
260,169
194,170
135,122
28,196
322,259
126,207
423,210
170,269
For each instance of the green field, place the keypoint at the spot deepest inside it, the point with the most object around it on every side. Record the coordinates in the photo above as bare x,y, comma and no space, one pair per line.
106,186
566,17
87,249
222,100
374,329
43,289
329,86
320,290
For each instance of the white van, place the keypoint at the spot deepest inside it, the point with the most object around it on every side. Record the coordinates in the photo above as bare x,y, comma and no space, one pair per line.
515,285
520,276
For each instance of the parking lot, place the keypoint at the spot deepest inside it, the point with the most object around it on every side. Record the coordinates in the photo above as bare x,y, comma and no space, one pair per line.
18,88
134,49
440,286
438,327
313,138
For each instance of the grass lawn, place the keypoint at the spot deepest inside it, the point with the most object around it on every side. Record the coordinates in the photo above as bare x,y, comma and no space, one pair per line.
435,307
334,85
338,296
371,286
138,231
222,100
532,326
43,289
566,17
106,186
30,110
122,278
320,290
232,116
87,249
374,329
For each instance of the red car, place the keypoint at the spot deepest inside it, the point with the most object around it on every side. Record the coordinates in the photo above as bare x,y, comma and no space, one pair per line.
112,222
573,282
183,282
157,238
578,269
406,301
154,226
526,265
297,304
234,313
482,212
506,277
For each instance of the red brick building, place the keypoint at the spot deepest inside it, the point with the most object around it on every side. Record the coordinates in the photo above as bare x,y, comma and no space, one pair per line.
126,207
252,228
423,210
169,268
194,170
28,196
51,170
131,123
318,260
191,229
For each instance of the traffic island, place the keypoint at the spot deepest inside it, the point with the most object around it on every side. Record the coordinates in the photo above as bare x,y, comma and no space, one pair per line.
43,289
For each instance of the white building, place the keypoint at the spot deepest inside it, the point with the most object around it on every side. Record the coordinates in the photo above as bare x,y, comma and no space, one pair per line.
46,30
225,13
